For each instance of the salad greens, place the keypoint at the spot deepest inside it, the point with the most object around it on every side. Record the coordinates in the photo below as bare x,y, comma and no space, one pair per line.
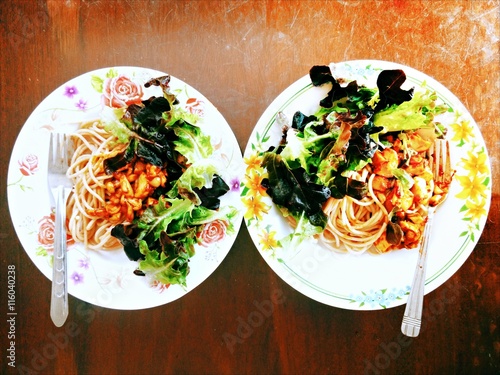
159,132
319,152
417,113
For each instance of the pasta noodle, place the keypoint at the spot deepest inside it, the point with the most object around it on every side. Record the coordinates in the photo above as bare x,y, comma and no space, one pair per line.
93,144
354,225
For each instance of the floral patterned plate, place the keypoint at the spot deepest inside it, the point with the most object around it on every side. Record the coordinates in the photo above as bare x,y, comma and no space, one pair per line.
369,282
106,278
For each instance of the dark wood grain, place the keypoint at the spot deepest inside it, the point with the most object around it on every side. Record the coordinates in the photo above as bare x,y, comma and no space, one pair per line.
241,55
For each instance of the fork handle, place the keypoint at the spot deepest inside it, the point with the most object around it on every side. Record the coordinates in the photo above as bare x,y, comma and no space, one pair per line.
413,313
59,299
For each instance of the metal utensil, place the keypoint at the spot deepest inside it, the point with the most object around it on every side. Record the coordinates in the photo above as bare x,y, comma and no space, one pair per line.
442,172
59,188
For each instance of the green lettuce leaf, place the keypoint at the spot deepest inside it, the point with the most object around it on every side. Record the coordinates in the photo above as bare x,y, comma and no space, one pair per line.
416,113
304,148
404,177
177,114
198,175
111,118
191,142
156,219
167,270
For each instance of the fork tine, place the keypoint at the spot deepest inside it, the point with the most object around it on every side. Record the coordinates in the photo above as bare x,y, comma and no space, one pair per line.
440,161
51,149
55,153
447,173
59,151
64,150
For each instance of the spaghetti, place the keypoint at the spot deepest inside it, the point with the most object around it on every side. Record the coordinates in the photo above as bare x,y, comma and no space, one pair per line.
93,144
354,225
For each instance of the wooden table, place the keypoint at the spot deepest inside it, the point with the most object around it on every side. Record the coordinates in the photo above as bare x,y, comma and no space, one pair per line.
241,55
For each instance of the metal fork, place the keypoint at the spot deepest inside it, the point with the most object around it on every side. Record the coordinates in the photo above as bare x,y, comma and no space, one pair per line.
442,172
59,188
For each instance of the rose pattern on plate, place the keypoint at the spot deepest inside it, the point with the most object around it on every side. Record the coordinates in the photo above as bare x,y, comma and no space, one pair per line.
28,165
118,90
212,232
45,235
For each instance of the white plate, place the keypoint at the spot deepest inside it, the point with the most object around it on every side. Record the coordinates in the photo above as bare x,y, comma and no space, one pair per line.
370,282
105,278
